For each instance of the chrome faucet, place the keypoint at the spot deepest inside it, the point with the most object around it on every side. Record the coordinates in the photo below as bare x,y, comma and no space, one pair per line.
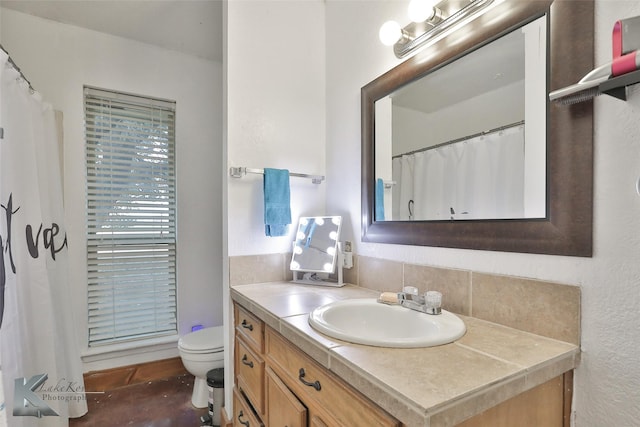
430,302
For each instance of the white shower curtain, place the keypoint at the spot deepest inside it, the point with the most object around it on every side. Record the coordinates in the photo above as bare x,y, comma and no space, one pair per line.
481,177
37,332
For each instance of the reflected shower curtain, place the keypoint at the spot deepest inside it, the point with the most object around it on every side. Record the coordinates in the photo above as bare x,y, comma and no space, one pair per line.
40,363
402,202
494,178
481,177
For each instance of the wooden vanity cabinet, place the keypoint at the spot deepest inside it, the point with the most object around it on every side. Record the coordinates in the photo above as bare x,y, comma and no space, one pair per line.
329,399
250,328
243,413
276,385
548,405
316,422
249,368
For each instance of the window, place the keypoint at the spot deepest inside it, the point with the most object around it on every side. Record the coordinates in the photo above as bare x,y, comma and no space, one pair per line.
131,208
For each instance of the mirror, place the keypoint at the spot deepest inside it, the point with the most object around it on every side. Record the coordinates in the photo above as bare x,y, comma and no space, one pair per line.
316,249
562,224
467,141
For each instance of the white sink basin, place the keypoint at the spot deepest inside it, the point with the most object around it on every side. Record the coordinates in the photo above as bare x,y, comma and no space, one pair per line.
366,321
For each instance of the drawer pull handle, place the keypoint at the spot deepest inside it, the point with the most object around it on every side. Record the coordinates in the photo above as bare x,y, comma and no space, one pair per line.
246,325
246,362
315,384
244,423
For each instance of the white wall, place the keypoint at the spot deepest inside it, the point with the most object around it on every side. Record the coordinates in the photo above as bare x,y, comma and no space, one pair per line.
274,117
608,380
59,59
275,112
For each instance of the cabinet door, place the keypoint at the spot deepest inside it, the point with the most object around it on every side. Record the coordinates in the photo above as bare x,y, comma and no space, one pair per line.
285,410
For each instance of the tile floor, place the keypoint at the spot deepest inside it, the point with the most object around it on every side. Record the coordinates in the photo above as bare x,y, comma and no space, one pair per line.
161,403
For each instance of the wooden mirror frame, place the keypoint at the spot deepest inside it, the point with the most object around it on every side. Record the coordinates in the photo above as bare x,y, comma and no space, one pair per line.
567,228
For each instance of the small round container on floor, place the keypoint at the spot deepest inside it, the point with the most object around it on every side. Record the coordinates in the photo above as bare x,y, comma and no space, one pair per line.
215,383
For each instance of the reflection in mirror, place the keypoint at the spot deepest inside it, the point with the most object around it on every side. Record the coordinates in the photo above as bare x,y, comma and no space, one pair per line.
316,250
567,225
467,141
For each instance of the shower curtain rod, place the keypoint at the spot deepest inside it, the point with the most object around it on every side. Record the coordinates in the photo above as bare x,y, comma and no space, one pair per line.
15,66
453,141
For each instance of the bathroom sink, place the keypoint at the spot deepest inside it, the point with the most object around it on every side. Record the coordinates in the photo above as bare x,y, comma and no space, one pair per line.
366,321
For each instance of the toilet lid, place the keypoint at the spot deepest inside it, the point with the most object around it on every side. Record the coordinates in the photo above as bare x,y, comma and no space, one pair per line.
207,339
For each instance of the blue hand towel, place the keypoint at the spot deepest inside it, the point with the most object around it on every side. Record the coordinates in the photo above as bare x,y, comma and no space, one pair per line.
277,202
379,200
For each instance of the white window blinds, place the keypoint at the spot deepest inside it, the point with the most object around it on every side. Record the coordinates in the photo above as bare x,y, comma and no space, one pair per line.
131,204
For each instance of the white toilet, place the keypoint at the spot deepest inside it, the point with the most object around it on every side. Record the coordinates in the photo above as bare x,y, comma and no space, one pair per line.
202,351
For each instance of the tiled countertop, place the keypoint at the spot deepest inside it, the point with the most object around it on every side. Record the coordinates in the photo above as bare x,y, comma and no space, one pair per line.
432,387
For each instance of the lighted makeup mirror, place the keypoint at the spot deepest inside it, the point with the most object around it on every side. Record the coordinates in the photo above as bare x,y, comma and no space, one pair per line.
317,252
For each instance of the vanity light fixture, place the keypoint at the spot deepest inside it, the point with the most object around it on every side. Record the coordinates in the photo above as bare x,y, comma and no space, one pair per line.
424,10
430,21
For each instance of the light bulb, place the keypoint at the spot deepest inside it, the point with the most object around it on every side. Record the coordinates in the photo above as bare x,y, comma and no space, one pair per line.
421,10
390,33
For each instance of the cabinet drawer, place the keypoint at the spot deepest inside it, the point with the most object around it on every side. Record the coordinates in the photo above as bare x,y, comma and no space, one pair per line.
284,407
250,374
243,415
311,382
250,327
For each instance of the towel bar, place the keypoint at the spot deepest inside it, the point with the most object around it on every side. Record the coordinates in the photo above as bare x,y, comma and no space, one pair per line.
239,172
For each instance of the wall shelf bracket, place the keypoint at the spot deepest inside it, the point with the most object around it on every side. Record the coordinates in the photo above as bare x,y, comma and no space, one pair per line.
617,86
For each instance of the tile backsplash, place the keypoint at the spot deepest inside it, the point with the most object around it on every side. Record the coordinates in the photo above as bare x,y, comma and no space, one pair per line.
543,308
244,270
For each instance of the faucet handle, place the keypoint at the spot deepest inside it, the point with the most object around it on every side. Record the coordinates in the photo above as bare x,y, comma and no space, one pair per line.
433,302
411,293
410,290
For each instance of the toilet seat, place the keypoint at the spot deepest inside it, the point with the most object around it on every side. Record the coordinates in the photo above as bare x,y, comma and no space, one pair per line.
207,340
